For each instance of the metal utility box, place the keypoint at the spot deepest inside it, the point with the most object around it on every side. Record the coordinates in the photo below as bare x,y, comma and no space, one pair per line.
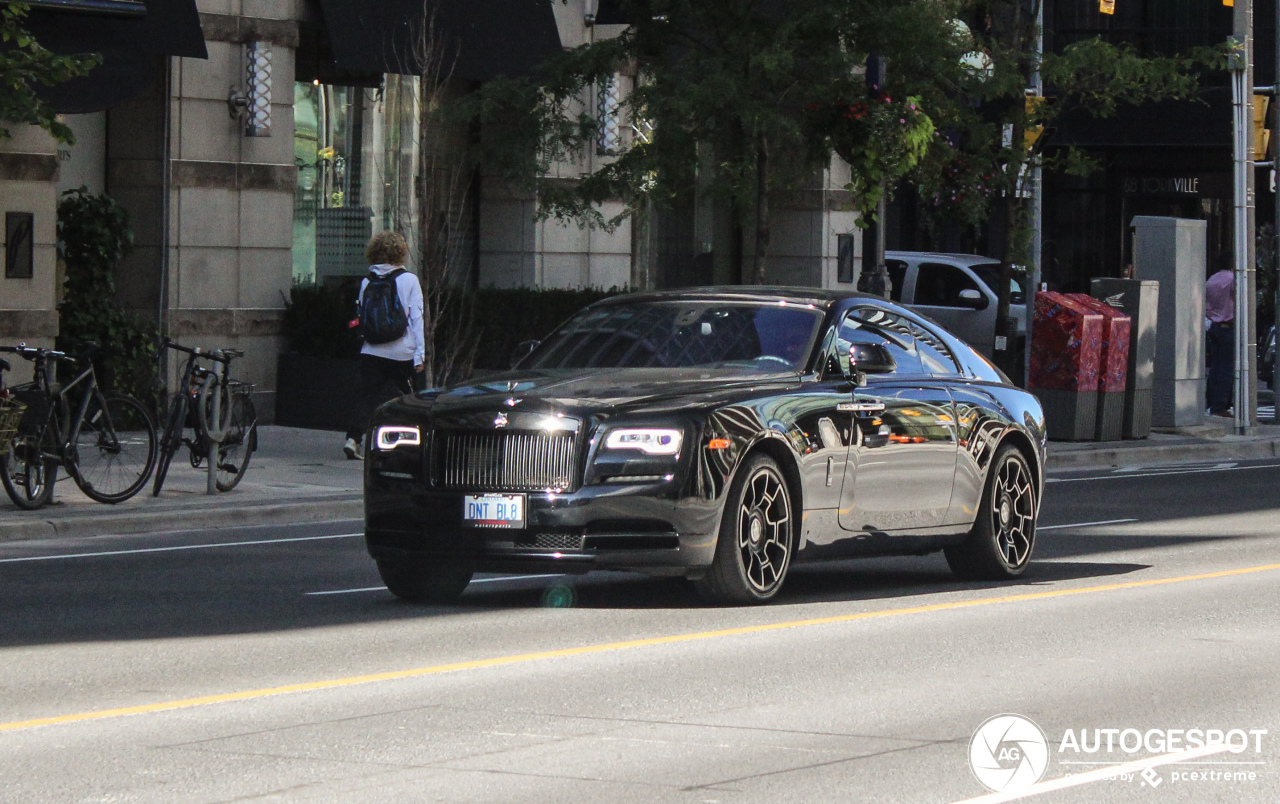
1066,343
1171,251
1138,299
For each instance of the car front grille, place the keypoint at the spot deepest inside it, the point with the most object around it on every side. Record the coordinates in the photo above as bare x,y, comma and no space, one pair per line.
507,461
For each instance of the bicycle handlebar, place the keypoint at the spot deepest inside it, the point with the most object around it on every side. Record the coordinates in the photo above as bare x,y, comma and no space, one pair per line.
35,353
221,355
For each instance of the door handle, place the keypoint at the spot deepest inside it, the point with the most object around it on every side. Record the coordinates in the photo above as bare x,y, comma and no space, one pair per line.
861,407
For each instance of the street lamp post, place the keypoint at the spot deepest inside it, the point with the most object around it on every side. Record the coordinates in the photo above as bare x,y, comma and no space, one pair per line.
1245,396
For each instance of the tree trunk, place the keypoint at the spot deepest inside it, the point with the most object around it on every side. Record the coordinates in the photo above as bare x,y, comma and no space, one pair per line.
762,212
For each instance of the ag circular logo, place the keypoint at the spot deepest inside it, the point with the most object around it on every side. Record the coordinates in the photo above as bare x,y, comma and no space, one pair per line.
1008,753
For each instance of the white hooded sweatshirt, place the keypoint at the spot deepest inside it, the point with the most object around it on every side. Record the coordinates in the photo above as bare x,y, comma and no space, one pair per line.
410,346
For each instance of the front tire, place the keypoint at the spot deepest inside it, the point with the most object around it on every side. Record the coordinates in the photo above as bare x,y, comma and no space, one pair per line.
757,537
115,450
423,582
999,546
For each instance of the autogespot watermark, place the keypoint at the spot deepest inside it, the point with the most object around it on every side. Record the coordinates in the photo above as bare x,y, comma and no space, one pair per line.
1009,753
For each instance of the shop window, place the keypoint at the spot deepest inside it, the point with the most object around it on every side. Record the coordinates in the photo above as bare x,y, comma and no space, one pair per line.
357,154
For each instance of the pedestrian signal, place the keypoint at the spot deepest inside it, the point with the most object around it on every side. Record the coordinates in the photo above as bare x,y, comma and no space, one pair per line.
1107,6
1261,134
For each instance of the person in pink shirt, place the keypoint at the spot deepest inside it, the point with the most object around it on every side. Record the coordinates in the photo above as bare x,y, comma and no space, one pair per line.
1220,311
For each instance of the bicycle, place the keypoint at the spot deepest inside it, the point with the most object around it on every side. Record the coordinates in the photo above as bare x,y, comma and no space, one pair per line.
106,441
218,410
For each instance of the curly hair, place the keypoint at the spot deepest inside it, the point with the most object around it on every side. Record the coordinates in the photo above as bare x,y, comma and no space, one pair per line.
387,248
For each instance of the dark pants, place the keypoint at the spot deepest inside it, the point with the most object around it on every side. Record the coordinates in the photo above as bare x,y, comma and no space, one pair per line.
1220,346
381,379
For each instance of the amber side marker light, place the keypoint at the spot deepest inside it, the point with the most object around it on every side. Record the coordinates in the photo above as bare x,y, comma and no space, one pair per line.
718,443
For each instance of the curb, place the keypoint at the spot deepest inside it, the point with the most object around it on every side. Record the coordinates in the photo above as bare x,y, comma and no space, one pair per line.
36,526
1243,448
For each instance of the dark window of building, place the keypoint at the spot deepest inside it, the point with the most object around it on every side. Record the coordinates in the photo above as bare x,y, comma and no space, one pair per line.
844,258
939,285
18,251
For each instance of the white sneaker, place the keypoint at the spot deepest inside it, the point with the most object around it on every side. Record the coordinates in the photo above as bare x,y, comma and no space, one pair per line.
352,450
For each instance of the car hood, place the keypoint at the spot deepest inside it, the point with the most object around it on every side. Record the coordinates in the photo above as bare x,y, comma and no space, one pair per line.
600,390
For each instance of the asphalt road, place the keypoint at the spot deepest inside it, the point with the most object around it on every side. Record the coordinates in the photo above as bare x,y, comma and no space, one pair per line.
266,663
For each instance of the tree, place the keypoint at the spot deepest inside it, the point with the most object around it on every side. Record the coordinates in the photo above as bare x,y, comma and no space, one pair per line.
94,235
444,186
746,99
991,131
24,65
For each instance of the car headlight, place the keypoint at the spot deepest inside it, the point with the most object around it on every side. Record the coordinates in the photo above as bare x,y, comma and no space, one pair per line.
392,436
649,440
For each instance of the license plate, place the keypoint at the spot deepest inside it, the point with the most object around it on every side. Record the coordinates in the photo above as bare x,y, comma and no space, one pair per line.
493,510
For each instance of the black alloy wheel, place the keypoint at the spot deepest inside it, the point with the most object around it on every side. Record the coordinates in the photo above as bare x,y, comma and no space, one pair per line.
757,536
999,546
423,582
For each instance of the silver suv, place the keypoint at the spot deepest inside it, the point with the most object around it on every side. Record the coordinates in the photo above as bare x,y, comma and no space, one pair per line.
957,291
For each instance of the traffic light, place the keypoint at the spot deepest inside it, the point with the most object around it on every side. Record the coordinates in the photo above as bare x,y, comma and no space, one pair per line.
1107,6
1036,134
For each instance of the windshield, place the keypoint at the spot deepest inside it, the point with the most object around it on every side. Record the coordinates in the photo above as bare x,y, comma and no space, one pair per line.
989,273
683,334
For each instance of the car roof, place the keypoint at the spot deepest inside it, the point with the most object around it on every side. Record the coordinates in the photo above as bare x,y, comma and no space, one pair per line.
818,297
960,259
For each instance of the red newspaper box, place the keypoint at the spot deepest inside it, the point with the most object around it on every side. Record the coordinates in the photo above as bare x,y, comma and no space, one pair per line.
1112,368
1066,351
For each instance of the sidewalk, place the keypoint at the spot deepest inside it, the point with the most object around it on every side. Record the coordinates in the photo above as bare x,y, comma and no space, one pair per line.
299,476
295,476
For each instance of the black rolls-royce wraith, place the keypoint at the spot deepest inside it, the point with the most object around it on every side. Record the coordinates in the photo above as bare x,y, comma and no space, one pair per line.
721,434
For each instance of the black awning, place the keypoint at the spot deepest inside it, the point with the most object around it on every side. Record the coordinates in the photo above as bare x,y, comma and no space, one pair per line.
129,47
490,37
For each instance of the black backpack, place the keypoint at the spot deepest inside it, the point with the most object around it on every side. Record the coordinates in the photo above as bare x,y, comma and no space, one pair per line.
382,319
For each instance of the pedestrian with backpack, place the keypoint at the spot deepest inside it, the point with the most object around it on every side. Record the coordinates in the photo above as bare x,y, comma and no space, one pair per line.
389,320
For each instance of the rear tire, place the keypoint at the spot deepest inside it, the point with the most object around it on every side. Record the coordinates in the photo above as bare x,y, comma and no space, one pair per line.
238,444
424,582
1000,544
29,483
756,540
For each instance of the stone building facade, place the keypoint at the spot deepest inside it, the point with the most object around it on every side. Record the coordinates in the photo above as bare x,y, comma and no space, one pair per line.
227,218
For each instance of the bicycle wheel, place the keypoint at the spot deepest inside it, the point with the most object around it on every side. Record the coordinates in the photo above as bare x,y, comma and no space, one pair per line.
27,477
115,450
171,441
238,444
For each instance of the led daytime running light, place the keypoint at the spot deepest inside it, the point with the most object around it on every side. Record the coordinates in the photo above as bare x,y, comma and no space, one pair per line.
391,436
650,441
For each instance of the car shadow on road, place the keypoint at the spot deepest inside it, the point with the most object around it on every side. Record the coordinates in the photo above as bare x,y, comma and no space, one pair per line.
832,582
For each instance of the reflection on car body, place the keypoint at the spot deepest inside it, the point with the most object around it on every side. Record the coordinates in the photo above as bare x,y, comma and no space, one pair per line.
720,434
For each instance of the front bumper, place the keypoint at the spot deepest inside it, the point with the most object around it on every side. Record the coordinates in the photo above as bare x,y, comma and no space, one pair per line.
643,527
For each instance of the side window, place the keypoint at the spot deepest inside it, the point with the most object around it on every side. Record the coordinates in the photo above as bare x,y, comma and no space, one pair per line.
935,357
939,285
869,325
897,276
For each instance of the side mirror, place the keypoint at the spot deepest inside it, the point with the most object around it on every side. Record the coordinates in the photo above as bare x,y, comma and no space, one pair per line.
522,350
871,358
973,298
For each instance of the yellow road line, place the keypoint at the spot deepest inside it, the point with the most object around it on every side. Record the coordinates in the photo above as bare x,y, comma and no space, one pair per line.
497,661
